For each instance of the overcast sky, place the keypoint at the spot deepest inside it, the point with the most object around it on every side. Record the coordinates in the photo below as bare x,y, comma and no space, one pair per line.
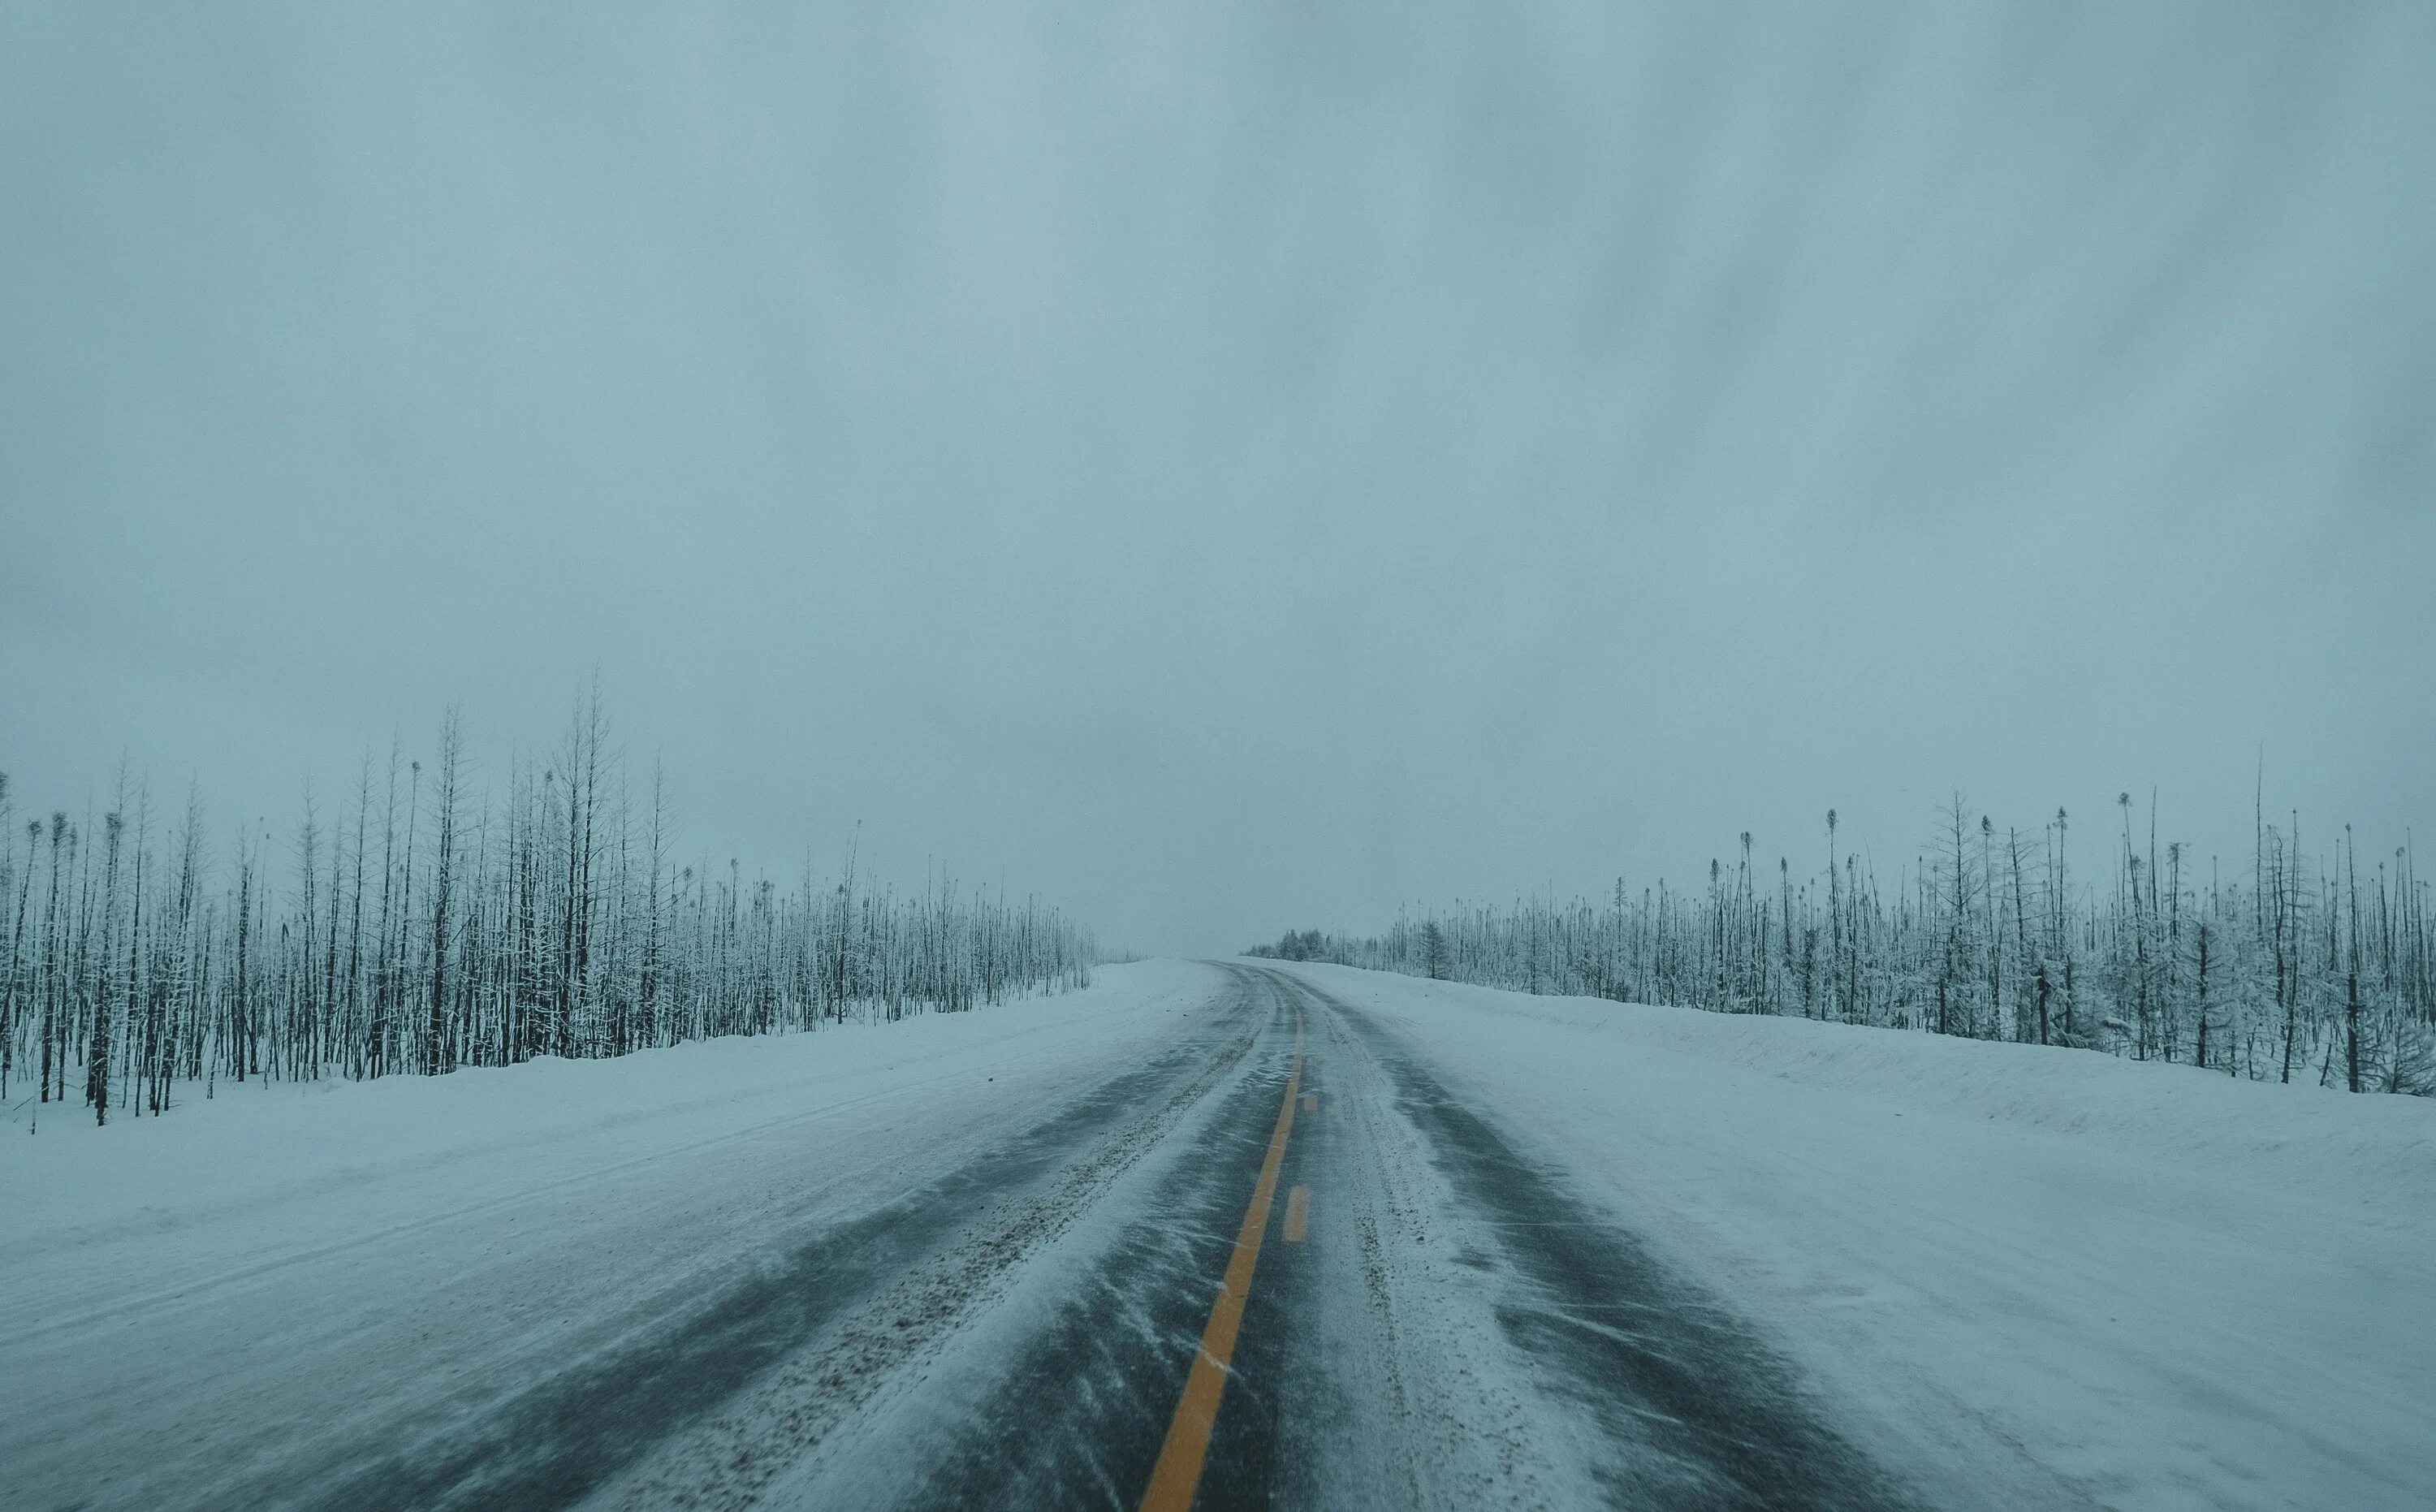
1233,466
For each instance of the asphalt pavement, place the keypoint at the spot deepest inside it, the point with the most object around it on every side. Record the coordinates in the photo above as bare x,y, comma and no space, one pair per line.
1281,1261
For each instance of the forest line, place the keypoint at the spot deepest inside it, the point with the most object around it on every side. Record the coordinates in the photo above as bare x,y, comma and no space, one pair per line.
426,926
2318,969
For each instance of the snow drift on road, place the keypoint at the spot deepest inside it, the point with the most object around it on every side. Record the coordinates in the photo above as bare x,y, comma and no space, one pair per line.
190,1304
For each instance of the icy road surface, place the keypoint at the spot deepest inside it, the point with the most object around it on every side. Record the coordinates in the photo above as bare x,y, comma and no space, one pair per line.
1220,1237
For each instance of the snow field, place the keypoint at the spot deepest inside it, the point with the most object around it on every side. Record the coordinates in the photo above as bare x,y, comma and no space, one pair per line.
2035,1277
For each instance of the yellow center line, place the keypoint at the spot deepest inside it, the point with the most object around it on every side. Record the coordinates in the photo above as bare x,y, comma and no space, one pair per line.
1177,1475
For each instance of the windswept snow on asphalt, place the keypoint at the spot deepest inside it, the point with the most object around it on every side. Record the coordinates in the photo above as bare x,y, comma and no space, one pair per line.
187,1302
2028,1276
763,1270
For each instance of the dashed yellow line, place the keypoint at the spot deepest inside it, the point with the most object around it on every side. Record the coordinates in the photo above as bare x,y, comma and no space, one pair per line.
1177,1475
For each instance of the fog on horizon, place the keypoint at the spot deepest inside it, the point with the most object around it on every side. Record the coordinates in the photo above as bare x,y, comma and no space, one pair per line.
1235,468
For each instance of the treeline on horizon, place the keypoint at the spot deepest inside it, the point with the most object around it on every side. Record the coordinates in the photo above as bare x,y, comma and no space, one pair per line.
426,925
2309,968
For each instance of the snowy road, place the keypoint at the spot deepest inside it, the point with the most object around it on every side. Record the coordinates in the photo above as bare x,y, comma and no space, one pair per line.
1552,1366
981,1287
1482,1250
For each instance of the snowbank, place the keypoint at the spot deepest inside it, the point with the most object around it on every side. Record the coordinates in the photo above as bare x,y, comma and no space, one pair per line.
2066,1278
328,1162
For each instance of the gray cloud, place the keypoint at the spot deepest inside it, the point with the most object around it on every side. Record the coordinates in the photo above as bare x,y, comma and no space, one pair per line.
1240,467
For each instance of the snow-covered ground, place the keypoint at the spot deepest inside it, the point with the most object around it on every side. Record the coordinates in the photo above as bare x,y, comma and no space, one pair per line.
302,1147
227,1275
2003,1265
2018,1277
